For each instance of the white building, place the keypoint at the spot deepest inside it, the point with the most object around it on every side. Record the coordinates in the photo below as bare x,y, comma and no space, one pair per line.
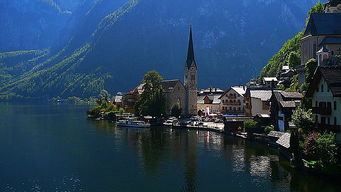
232,101
325,95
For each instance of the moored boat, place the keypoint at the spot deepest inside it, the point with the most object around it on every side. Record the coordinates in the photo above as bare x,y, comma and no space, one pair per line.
132,123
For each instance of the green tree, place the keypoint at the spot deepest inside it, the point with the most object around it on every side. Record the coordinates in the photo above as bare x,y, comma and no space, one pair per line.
303,120
309,70
152,101
294,59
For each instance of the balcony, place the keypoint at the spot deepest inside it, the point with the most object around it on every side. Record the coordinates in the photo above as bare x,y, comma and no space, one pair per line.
322,110
231,103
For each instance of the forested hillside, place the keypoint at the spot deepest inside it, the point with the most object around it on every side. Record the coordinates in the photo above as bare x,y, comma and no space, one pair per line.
113,43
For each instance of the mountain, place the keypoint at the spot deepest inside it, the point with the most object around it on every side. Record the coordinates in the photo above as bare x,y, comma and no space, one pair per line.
114,44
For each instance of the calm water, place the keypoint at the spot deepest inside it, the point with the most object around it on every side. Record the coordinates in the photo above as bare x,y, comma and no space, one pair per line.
55,148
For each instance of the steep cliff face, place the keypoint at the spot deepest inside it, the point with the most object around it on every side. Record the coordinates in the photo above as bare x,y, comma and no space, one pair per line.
112,48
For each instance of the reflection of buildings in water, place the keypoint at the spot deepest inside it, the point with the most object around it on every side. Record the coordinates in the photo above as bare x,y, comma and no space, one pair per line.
211,140
238,158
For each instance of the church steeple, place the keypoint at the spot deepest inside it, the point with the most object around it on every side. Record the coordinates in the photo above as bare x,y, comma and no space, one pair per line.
190,53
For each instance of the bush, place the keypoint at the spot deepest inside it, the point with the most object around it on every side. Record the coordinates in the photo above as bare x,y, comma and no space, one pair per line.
310,144
269,128
326,149
321,147
303,119
250,124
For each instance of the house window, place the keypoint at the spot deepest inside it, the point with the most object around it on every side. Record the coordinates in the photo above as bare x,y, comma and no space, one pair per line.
323,120
328,120
316,104
317,89
322,88
334,105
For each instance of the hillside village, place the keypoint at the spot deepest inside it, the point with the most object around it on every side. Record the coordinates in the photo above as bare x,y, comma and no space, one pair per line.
269,101
264,98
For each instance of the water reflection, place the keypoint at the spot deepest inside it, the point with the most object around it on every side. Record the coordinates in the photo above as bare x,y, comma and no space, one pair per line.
50,148
156,145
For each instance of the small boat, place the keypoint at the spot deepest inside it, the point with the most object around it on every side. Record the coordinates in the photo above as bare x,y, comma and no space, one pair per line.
132,123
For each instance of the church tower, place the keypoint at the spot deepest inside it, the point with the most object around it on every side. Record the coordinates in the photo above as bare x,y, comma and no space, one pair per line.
190,79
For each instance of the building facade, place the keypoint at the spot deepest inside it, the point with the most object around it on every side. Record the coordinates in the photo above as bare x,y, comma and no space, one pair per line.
325,96
232,101
282,107
174,91
257,102
190,80
209,101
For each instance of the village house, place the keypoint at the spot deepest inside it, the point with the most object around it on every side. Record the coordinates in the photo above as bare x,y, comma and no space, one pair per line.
285,76
282,107
270,82
257,102
117,100
209,101
233,101
324,93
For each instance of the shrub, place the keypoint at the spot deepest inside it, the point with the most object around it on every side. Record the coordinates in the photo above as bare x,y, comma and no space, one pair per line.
269,128
310,145
326,149
250,124
303,119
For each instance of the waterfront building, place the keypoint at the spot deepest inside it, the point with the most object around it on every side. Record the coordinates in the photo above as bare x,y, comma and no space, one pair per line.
257,102
174,91
190,80
282,106
324,93
232,101
209,101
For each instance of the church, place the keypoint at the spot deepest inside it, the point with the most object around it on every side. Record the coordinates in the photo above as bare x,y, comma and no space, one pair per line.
183,95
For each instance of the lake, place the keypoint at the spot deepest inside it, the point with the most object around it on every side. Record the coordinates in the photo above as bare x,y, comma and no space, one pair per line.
56,148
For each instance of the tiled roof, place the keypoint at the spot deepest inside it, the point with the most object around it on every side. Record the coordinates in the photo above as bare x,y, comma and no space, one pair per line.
284,140
270,79
264,95
332,76
169,85
276,134
212,97
331,40
288,104
239,89
291,95
324,24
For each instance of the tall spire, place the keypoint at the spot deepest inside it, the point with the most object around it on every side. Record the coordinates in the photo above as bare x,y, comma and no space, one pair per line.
190,53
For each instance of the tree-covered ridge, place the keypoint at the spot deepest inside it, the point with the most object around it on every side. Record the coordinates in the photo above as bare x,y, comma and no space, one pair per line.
281,58
291,47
